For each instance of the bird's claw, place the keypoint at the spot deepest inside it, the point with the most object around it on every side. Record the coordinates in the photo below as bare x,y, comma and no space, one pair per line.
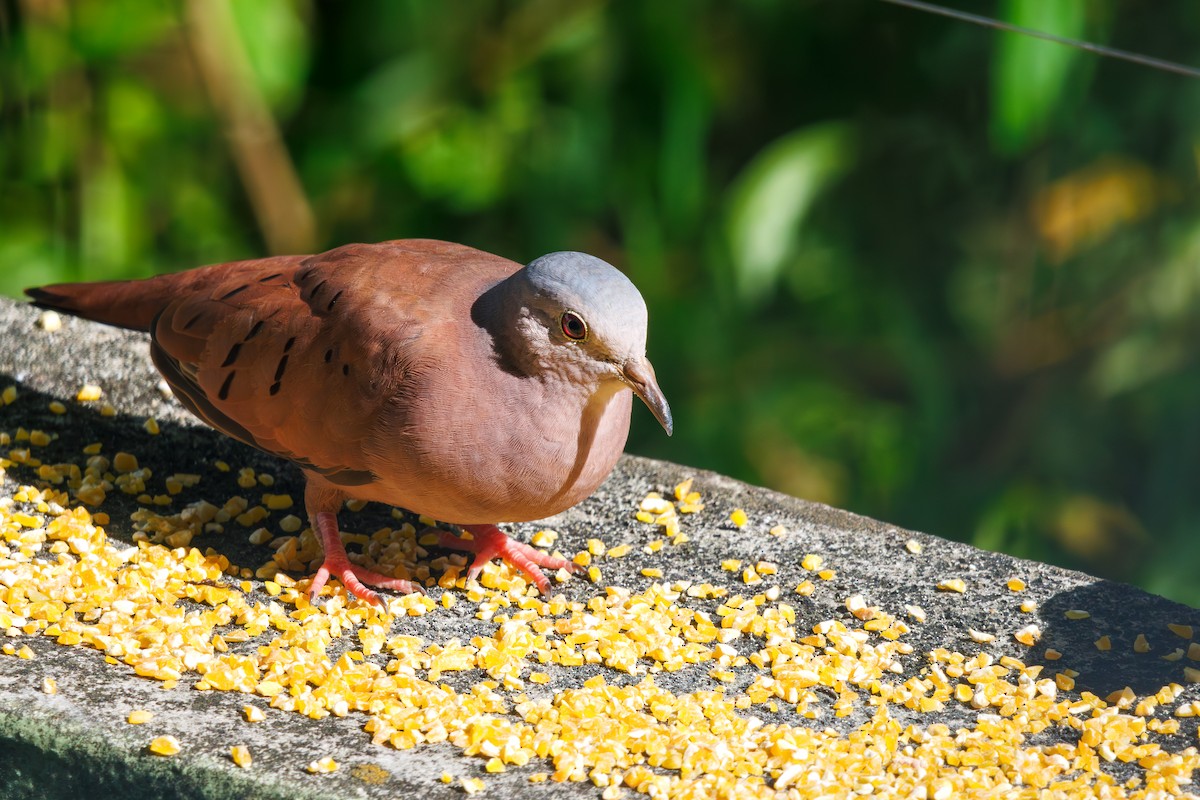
356,579
490,542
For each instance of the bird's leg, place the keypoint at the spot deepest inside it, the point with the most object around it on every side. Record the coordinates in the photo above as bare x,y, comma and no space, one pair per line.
491,542
353,577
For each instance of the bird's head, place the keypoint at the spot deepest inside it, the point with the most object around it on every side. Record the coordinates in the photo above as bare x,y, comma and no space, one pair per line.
580,316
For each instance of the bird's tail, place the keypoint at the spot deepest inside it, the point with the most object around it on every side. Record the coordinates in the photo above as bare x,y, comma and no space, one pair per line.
126,304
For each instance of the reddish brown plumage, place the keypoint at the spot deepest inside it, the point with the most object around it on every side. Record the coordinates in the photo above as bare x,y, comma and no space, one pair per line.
410,372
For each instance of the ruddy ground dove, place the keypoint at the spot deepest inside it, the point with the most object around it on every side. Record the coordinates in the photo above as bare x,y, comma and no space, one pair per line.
424,374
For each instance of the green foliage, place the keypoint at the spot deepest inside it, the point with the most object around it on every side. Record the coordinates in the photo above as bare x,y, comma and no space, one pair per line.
938,275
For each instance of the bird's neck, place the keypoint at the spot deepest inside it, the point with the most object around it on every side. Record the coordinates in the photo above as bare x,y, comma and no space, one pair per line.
513,327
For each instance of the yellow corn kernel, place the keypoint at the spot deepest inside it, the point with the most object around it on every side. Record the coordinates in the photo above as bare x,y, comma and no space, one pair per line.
164,746
738,517
322,766
241,755
125,462
277,502
953,585
89,392
1180,630
1029,635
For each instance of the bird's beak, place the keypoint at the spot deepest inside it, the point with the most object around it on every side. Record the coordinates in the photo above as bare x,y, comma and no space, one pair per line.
640,376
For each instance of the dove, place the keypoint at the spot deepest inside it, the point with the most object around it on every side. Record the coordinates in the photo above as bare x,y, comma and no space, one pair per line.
423,374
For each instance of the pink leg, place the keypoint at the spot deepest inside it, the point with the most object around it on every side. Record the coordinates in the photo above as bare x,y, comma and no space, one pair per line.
353,577
490,542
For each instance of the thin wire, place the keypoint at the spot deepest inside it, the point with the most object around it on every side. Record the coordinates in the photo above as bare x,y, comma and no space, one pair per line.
1091,47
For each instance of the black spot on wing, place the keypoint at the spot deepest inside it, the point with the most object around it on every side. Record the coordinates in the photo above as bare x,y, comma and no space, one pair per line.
196,401
236,291
258,326
224,392
233,354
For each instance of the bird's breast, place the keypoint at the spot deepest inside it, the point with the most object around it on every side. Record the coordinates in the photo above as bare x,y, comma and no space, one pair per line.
519,449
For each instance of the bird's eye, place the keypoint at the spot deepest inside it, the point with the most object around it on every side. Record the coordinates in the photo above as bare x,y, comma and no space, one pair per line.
573,326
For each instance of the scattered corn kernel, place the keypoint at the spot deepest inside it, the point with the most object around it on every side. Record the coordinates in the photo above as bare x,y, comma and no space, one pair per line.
1180,630
151,426
1016,585
139,716
322,766
241,755
89,392
738,518
1029,635
913,546
49,321
164,746
1103,644
57,407
1076,613
953,585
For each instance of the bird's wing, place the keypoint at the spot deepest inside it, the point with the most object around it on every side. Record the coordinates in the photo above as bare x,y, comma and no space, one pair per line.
303,358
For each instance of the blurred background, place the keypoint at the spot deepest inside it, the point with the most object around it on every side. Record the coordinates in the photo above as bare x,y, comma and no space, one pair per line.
914,268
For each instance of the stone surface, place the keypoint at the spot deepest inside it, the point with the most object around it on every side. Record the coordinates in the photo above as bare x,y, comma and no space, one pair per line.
78,742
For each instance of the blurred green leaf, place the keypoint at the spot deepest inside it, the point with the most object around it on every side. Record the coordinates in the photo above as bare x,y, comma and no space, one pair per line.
1029,76
771,198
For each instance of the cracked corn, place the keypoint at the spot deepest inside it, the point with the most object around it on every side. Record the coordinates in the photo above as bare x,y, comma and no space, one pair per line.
620,730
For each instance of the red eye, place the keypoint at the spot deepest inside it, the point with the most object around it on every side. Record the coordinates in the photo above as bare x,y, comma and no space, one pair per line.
573,326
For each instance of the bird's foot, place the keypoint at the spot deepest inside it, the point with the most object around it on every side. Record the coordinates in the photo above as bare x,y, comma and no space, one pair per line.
356,580
491,542
352,576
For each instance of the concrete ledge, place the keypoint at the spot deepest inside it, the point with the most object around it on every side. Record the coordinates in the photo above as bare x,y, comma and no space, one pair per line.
77,741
